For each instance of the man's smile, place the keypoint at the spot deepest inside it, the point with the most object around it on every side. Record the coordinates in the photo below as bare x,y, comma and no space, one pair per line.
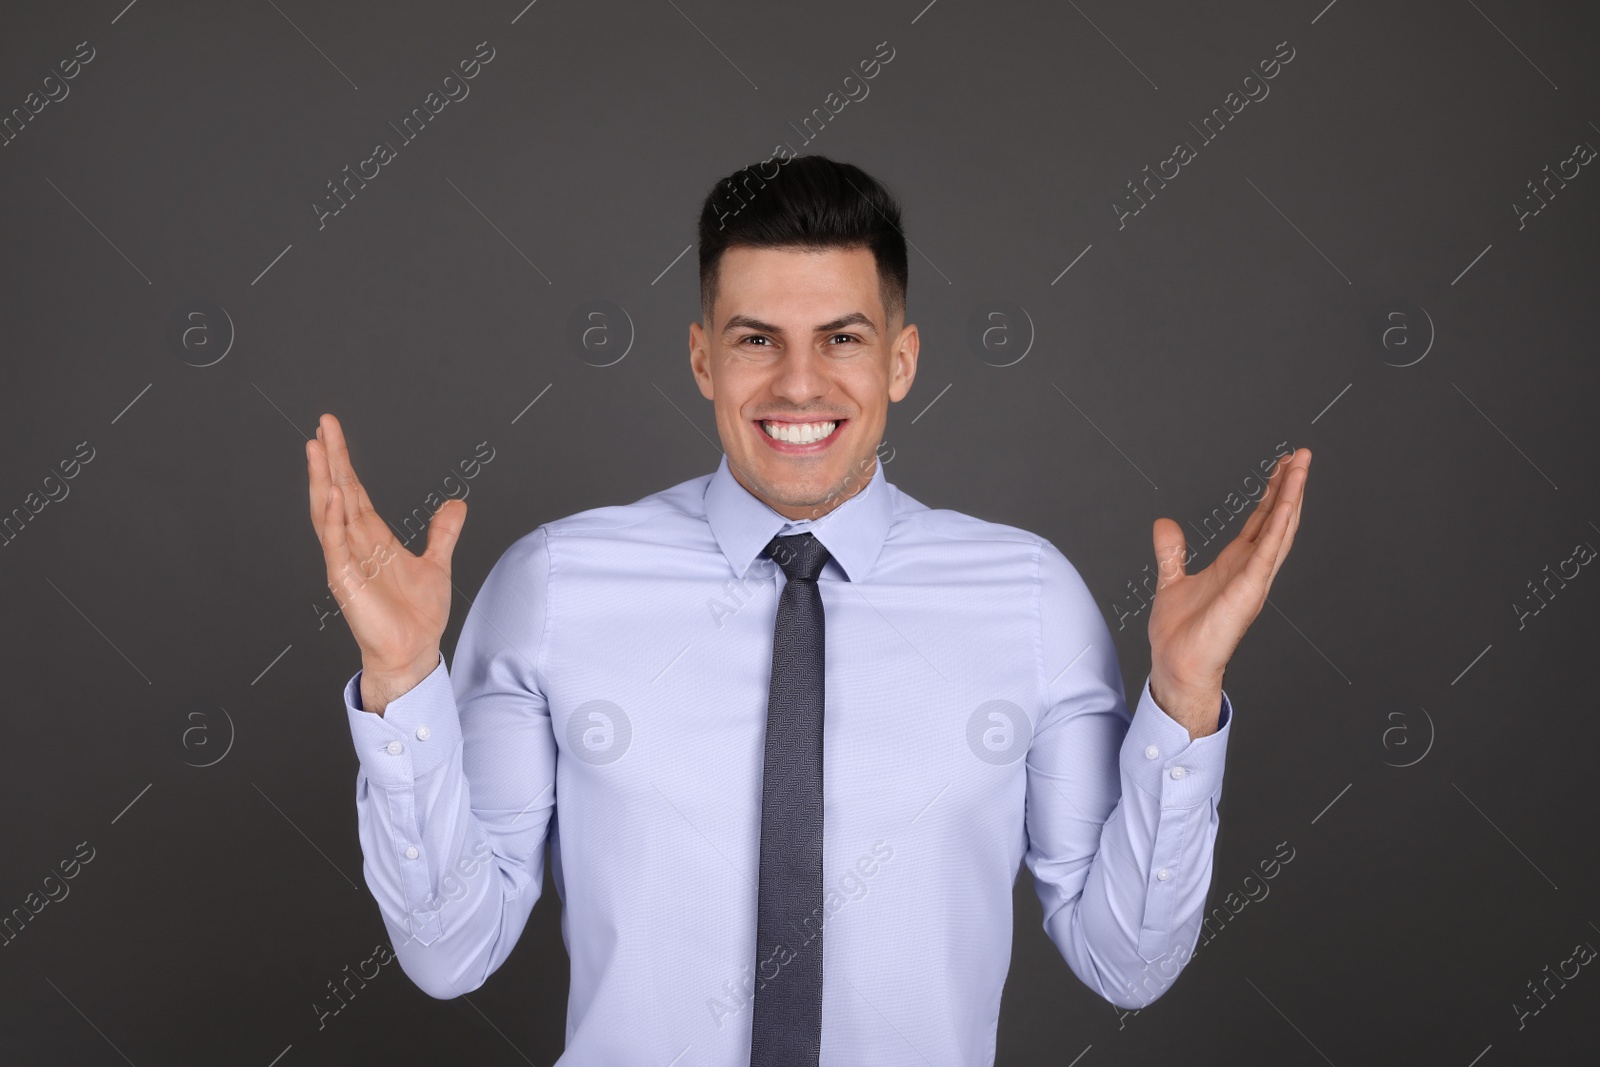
793,437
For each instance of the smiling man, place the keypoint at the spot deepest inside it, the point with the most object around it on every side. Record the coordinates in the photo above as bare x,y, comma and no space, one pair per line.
788,733
801,404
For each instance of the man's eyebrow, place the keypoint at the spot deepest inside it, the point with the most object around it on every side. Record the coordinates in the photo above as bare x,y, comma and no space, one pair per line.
854,318
746,322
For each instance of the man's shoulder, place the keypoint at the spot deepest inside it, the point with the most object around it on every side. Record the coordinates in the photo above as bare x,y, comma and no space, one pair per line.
946,531
657,517
684,501
917,520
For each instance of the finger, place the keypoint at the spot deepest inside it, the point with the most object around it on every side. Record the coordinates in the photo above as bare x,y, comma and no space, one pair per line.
1301,474
444,529
335,549
319,480
1263,509
1258,571
331,434
1294,484
1170,549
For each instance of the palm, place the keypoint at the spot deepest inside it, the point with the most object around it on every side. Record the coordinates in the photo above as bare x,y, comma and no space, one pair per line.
1198,619
395,602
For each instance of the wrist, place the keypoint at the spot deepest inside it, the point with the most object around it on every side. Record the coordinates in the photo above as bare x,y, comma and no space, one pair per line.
381,685
1195,704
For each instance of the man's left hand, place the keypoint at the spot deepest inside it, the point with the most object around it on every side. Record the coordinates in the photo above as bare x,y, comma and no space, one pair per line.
1198,619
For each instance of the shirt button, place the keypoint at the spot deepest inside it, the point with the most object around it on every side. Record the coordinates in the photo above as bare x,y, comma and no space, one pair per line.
1163,874
422,733
411,852
1151,752
1179,772
395,748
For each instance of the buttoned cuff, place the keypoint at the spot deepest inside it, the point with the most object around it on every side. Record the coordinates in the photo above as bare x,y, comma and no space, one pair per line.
1160,757
416,732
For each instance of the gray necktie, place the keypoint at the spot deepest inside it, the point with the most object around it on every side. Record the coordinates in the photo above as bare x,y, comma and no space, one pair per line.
786,1028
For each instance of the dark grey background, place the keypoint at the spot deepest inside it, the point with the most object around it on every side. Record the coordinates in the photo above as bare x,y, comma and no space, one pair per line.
165,612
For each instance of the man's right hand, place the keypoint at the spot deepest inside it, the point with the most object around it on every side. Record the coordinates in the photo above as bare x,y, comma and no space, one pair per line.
396,603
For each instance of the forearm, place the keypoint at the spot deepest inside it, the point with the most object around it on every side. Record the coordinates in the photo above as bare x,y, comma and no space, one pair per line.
447,910
1133,925
1132,932
454,885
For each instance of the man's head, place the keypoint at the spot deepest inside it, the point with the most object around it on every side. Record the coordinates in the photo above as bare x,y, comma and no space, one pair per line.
803,283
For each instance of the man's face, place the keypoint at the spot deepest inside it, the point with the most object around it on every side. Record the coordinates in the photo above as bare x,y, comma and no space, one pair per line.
799,343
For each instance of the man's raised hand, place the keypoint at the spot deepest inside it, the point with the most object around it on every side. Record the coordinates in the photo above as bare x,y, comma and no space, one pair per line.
1198,619
395,602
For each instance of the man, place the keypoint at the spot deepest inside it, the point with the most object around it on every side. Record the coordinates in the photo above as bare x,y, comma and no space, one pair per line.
788,732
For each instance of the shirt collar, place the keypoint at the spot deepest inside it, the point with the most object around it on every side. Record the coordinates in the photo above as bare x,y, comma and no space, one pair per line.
853,533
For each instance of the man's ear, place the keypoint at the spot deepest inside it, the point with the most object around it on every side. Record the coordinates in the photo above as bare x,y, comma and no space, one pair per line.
700,360
903,362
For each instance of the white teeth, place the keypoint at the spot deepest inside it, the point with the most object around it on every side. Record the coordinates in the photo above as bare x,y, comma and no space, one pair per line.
798,433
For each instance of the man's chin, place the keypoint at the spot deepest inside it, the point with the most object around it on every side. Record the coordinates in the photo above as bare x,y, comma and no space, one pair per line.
805,495
810,496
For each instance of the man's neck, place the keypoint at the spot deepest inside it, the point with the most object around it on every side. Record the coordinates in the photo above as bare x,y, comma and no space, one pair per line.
806,512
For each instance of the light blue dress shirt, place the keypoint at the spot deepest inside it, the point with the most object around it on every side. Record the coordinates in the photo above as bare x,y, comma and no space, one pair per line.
609,694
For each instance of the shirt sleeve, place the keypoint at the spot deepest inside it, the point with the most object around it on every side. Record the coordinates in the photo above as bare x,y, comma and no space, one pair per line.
1121,808
456,786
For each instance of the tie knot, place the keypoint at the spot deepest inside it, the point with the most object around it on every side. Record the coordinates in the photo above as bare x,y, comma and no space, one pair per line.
800,555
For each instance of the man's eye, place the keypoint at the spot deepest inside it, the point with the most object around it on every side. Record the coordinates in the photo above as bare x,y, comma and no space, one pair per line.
846,336
754,337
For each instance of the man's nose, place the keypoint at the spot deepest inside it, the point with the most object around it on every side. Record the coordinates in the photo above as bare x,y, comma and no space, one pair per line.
801,376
